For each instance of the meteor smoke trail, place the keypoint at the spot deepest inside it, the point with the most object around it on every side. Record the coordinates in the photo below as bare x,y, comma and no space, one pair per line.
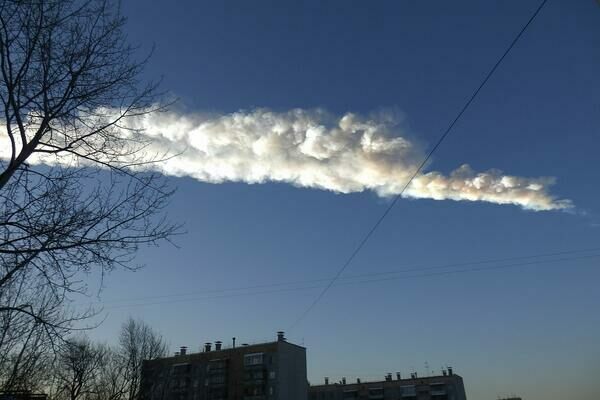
315,149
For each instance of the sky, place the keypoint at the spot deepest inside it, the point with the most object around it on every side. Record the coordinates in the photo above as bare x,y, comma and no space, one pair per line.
301,120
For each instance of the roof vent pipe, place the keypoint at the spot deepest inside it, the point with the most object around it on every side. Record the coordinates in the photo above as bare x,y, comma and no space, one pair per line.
183,350
398,377
280,336
326,380
207,346
218,345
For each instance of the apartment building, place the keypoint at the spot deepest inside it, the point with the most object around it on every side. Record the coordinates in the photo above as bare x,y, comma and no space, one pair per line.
265,371
447,386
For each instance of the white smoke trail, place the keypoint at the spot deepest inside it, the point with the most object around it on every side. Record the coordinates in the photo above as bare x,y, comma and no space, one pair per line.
314,149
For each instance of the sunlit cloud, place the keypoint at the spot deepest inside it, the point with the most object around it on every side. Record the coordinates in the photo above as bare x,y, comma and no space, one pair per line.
315,149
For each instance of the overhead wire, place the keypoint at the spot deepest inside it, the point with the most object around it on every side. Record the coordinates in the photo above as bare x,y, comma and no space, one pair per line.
423,274
400,270
417,171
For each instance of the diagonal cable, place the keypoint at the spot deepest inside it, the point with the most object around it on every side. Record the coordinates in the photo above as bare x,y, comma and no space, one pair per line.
418,170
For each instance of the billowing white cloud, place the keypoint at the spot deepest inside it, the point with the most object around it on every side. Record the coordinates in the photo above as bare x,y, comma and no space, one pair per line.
314,149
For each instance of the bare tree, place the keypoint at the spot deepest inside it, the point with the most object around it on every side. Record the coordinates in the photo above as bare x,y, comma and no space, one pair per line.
78,370
84,370
112,384
68,81
26,344
138,342
75,195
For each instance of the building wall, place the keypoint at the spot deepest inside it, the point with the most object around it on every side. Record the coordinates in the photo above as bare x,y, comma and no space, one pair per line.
428,388
269,371
292,382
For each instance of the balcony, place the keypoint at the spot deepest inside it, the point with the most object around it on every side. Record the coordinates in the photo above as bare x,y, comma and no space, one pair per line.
253,359
376,393
438,390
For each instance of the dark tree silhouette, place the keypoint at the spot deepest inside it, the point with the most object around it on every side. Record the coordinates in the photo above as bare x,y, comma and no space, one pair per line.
75,193
138,342
78,370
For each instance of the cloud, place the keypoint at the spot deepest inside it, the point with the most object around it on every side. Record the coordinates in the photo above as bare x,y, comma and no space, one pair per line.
315,149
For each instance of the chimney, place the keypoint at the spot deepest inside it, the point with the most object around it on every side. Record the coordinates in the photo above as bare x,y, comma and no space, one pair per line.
358,380
444,372
233,340
218,345
326,380
388,377
207,346
182,350
280,336
398,377
343,380
450,371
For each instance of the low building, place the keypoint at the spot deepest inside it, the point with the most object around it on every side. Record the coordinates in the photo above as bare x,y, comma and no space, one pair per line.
22,395
266,371
447,386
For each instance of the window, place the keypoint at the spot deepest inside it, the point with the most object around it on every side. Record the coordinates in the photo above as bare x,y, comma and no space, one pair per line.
438,391
216,365
408,391
255,374
253,359
217,379
376,393
181,368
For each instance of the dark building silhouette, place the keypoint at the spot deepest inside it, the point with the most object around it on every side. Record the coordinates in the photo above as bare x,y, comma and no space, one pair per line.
447,386
266,371
22,395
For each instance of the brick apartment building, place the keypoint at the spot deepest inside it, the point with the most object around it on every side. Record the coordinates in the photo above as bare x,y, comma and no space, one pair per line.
266,371
447,386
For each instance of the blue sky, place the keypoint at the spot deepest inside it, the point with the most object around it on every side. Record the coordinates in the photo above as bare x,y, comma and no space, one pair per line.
512,330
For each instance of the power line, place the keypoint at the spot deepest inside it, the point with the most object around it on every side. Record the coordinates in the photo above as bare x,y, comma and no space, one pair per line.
367,281
423,163
401,270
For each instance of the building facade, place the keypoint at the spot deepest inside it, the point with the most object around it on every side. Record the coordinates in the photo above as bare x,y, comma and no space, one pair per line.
447,386
266,371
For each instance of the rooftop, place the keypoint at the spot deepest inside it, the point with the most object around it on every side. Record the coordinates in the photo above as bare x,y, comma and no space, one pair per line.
412,380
